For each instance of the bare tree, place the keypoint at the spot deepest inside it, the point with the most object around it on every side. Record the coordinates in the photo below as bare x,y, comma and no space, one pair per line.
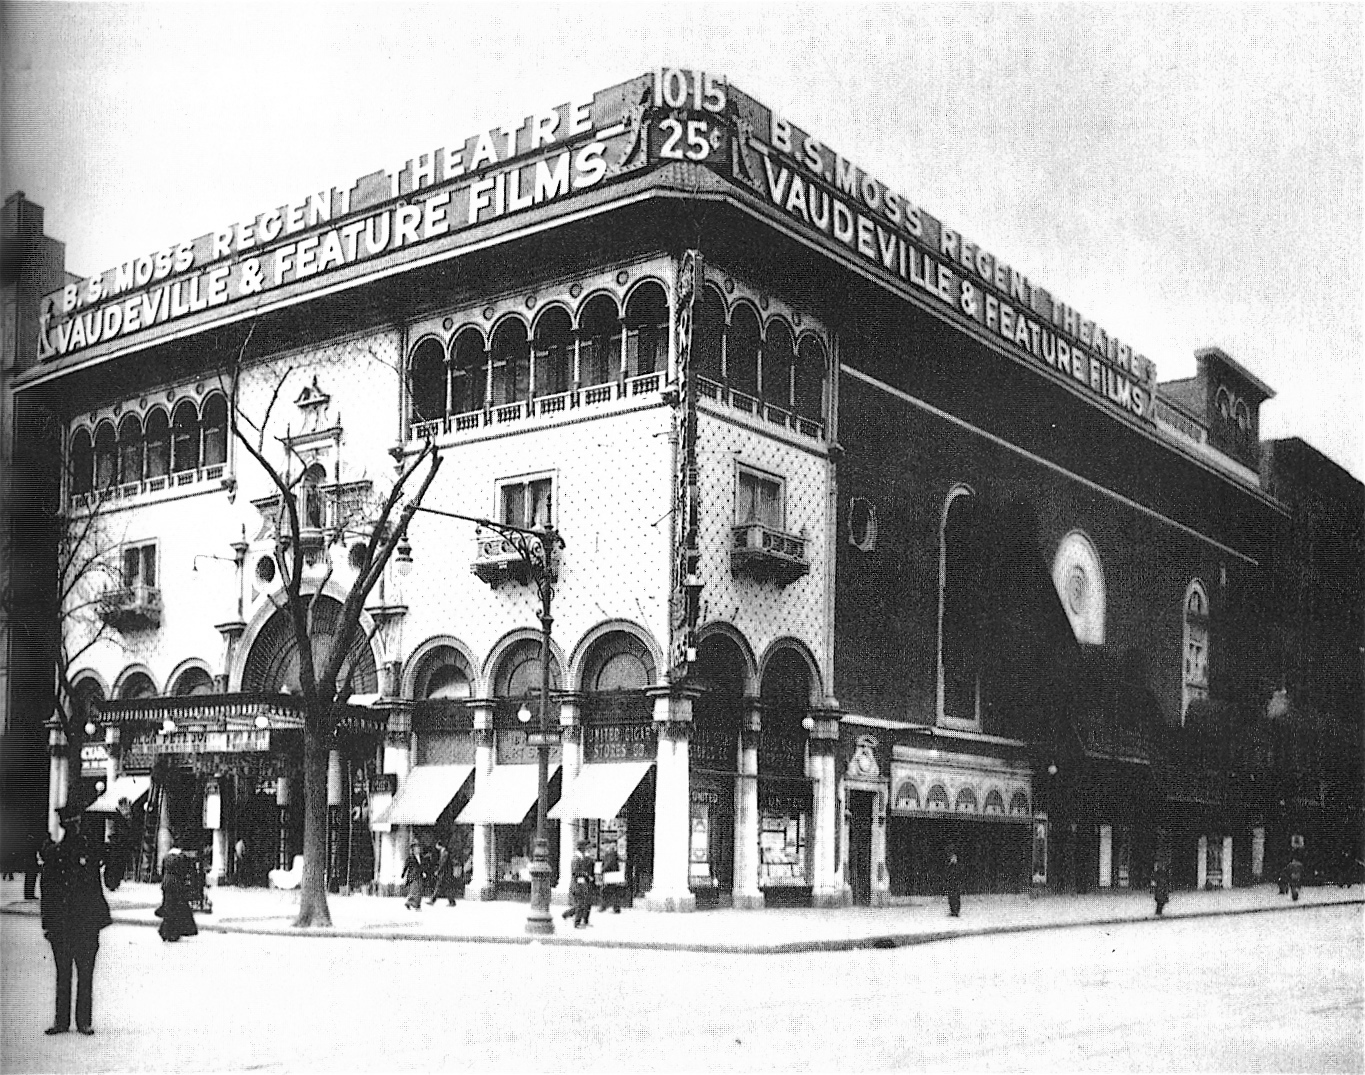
325,678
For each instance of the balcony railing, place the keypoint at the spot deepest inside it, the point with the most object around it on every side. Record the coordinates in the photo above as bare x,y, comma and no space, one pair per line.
767,554
751,405
134,489
128,608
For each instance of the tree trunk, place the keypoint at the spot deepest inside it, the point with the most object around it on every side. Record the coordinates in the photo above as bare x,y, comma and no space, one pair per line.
313,910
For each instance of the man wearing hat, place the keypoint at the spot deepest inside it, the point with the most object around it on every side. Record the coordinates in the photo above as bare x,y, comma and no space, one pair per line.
73,912
582,872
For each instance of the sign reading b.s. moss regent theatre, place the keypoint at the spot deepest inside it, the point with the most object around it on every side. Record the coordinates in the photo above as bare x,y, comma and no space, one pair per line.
552,156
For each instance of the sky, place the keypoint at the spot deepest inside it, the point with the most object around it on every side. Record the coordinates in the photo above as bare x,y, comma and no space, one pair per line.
1185,175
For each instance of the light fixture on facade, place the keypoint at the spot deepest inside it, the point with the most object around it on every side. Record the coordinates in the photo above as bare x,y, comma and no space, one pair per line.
524,713
403,561
808,723
1052,768
89,727
167,726
262,721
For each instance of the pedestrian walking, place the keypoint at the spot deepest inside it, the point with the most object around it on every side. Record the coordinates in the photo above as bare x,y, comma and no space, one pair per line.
175,912
953,877
581,872
116,853
73,913
443,880
613,881
414,876
1295,877
1161,887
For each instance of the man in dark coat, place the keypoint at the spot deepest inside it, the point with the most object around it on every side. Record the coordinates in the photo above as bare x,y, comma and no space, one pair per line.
73,913
116,855
953,877
1161,887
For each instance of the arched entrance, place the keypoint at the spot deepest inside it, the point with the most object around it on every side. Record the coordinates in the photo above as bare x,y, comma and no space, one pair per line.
722,672
785,800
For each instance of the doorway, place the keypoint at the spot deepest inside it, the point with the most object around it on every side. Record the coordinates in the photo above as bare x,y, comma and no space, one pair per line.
860,846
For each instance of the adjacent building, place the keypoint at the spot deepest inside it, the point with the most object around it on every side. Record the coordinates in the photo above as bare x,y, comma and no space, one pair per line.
875,549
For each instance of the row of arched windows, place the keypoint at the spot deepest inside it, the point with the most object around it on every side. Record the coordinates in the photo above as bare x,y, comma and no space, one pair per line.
549,357
765,361
139,449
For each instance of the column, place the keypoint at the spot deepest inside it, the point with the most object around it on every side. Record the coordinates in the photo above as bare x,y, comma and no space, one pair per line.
1201,875
483,882
881,877
828,889
571,760
393,841
1106,878
213,821
672,802
747,894
335,816
1227,861
1257,852
56,777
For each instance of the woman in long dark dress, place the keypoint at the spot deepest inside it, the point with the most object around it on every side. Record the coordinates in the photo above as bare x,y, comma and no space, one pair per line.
177,918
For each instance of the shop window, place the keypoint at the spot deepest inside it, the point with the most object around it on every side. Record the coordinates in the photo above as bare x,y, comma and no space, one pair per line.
961,580
427,381
106,456
907,796
81,463
808,383
554,352
759,499
937,798
646,330
468,372
184,437
779,357
708,335
215,430
1123,855
158,438
599,335
743,341
966,802
1195,661
129,450
510,357
527,503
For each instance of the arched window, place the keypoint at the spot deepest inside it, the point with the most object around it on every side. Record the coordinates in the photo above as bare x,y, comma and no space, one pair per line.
158,438
808,393
708,335
137,685
1079,579
444,673
1223,402
129,450
779,356
966,801
519,671
82,463
511,358
1243,415
937,798
1019,804
599,335
468,372
995,803
184,437
554,352
215,430
786,693
427,381
619,662
742,345
272,664
1195,660
646,330
907,796
106,456
87,692
192,681
961,572
311,514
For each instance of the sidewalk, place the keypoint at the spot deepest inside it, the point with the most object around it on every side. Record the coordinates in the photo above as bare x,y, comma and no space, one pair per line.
249,910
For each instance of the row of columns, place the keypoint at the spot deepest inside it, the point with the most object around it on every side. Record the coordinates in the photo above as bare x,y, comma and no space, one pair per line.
670,889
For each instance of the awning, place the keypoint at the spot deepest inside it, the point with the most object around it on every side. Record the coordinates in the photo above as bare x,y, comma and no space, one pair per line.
131,788
601,790
426,791
504,795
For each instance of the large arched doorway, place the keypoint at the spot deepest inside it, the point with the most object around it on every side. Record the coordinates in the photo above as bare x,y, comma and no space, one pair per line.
713,754
785,801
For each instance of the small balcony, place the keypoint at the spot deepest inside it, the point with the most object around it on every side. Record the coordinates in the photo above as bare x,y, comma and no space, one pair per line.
131,608
766,554
496,561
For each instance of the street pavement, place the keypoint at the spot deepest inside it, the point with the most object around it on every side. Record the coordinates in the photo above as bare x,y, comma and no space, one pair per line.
772,930
1279,990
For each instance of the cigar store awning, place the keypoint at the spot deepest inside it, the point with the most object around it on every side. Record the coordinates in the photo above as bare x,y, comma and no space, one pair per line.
223,712
131,788
425,792
601,790
504,795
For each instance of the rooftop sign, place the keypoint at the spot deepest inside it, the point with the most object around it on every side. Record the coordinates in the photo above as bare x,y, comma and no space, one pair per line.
666,115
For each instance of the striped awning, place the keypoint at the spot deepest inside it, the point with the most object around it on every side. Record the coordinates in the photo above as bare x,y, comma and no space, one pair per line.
425,792
504,795
601,790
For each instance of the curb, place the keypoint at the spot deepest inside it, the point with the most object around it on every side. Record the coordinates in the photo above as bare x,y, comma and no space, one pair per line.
844,944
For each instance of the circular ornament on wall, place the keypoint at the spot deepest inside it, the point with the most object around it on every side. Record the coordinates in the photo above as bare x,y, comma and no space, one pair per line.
575,290
622,277
1079,579
448,323
488,312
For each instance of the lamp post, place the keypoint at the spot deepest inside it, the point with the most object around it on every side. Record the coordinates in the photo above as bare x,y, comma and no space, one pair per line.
537,551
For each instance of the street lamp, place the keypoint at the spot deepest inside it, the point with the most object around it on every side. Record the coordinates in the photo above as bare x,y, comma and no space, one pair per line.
537,550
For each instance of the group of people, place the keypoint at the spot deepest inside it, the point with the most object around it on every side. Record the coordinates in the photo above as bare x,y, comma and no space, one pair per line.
592,881
431,873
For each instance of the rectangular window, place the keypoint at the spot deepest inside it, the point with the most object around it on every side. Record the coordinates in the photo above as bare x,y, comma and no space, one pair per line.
759,500
139,566
527,503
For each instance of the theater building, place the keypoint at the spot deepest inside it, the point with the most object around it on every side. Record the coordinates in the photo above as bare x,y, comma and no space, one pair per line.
874,548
